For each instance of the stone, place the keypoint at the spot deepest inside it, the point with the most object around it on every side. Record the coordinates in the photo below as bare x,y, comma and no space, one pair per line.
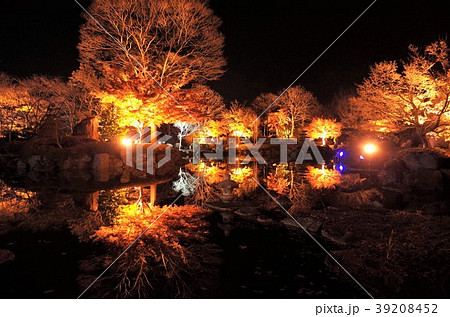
311,224
83,162
264,219
289,222
376,205
247,211
6,256
420,160
34,161
101,161
87,128
423,180
138,174
344,240
21,167
126,176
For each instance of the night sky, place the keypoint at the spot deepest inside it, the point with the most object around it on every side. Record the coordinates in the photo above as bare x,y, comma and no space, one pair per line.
268,43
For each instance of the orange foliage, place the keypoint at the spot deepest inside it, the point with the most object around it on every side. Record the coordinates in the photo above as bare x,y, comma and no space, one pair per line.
321,128
320,178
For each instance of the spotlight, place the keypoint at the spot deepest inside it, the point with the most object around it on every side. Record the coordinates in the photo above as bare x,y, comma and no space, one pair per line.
370,148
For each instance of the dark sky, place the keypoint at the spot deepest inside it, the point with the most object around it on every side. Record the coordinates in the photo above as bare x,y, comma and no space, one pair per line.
268,42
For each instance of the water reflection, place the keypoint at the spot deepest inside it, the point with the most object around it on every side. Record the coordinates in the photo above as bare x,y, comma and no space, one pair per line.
177,256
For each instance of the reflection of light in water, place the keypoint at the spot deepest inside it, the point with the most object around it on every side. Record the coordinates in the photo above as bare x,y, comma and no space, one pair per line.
185,184
278,181
322,178
243,176
167,251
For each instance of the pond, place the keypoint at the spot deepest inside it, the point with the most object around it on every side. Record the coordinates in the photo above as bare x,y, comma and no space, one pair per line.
62,239
170,239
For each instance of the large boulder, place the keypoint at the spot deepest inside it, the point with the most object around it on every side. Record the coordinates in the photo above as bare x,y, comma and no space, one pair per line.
100,161
420,159
423,180
87,128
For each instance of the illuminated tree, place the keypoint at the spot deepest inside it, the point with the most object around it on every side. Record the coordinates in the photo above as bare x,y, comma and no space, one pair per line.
241,121
278,180
10,106
185,184
279,123
185,129
212,123
259,105
294,109
26,104
415,95
321,128
153,47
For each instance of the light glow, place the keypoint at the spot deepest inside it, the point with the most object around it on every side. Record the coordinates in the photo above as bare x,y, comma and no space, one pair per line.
127,142
370,148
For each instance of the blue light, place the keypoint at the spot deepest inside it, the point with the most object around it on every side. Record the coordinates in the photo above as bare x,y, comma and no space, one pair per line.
340,167
341,153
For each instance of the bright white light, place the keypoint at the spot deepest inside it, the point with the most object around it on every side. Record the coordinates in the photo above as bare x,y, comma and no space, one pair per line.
127,142
370,148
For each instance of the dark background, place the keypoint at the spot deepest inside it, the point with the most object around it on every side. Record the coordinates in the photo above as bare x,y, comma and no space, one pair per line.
268,43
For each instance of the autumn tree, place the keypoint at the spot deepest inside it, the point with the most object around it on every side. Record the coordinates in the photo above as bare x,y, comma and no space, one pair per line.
294,109
260,105
415,94
26,104
152,53
241,121
324,129
10,106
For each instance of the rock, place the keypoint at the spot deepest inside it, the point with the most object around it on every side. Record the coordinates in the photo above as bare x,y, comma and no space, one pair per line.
289,222
420,160
87,128
358,199
87,201
6,256
264,219
83,162
80,163
376,205
247,211
101,161
34,161
138,174
101,175
126,176
311,224
423,180
347,238
21,167
436,208
115,167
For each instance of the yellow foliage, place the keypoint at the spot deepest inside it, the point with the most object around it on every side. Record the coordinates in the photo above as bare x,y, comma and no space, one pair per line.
320,178
321,128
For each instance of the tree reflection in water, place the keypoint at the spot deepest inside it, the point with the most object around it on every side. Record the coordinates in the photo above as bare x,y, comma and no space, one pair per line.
175,257
322,178
165,261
